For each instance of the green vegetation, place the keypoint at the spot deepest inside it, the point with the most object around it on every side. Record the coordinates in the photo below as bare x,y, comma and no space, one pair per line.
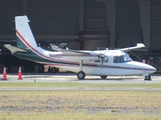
95,105
78,105
82,115
74,84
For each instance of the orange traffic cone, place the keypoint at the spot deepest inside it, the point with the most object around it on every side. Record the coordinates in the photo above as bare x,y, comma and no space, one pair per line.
19,74
4,74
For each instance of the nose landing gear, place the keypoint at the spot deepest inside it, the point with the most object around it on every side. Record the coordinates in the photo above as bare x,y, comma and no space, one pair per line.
103,76
148,77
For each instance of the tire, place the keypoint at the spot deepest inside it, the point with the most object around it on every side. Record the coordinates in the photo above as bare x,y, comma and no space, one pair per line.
103,76
81,75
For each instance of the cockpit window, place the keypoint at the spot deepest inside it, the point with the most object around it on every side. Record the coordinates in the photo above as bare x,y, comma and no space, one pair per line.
122,59
118,59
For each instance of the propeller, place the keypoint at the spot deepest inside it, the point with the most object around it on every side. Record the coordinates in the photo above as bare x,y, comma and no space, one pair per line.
102,56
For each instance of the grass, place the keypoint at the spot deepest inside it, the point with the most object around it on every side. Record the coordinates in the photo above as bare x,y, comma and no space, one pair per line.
82,115
95,105
88,105
74,84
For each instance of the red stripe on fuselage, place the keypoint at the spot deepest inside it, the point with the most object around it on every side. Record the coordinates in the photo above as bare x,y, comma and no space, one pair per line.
30,45
37,52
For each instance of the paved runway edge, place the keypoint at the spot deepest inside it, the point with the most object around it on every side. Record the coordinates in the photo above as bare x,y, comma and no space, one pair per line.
71,78
80,89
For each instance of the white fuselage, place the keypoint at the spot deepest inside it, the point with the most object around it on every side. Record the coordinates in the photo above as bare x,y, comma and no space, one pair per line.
96,67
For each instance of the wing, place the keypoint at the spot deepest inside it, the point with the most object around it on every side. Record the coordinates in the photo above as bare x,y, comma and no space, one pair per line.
14,49
77,55
139,45
70,52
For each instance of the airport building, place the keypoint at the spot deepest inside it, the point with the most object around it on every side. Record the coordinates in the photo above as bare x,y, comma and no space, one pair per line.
83,24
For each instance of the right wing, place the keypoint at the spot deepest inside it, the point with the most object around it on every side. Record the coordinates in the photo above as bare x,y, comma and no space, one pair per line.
139,45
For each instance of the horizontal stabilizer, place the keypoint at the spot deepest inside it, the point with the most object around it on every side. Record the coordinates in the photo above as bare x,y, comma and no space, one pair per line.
14,49
139,45
56,48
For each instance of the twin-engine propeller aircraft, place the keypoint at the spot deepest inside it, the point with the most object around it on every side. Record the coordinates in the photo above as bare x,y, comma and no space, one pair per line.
101,62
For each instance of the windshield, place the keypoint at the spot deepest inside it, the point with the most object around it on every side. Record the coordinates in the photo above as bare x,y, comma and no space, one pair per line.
127,58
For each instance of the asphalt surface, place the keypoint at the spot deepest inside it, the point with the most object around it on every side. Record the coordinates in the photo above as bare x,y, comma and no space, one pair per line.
71,77
58,77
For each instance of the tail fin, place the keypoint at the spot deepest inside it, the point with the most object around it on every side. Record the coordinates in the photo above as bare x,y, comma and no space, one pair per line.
25,38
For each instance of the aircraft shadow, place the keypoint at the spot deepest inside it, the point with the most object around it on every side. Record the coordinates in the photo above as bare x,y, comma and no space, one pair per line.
109,79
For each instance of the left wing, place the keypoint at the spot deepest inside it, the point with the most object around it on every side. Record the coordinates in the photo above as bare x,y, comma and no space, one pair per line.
77,55
70,52
139,45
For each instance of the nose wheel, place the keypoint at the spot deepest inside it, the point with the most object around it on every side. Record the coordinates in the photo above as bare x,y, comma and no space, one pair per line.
103,76
148,77
81,75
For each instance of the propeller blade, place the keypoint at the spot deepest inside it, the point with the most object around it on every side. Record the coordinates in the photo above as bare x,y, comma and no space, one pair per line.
102,60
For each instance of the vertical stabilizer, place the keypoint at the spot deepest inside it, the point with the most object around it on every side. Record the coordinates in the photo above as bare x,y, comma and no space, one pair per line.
25,38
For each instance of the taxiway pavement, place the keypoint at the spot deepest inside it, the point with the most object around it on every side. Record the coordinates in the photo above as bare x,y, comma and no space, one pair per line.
64,77
71,77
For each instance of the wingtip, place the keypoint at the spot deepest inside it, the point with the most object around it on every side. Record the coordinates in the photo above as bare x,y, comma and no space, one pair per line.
140,45
7,45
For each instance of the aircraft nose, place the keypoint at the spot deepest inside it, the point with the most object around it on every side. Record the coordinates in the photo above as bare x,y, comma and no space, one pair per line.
152,69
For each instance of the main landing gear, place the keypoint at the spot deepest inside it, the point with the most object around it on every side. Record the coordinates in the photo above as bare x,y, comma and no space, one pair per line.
81,75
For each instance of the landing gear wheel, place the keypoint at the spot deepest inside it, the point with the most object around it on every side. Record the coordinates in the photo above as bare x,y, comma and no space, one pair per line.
103,76
148,77
81,75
